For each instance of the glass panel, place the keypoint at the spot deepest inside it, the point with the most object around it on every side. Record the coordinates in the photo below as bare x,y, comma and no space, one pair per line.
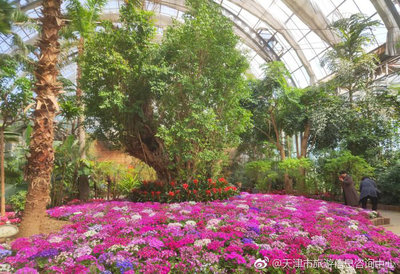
168,11
301,79
249,18
231,7
316,42
294,30
348,8
326,6
365,7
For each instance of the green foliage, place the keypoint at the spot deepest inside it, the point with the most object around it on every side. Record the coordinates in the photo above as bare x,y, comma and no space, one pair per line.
356,167
123,179
262,173
6,10
293,166
180,100
389,184
18,201
83,16
205,87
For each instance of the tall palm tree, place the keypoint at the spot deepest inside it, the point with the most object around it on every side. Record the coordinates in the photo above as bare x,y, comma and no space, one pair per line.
82,24
41,159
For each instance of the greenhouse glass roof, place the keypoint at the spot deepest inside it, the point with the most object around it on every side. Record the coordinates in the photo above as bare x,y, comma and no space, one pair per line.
294,31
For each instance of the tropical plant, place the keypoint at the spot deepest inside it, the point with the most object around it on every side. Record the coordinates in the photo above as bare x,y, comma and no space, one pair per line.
140,82
83,22
15,94
18,201
40,161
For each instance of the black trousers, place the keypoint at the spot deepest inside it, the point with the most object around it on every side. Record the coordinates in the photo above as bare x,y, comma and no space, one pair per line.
374,201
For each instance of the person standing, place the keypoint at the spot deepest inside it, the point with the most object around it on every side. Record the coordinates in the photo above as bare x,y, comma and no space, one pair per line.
368,190
349,191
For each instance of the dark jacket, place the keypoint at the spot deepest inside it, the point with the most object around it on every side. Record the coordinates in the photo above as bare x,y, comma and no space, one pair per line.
368,188
350,193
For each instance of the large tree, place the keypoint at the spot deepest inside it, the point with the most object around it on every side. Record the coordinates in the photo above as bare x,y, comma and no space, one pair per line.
84,18
174,106
41,158
15,95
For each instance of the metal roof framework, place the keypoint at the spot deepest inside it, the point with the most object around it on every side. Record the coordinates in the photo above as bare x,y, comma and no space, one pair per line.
294,31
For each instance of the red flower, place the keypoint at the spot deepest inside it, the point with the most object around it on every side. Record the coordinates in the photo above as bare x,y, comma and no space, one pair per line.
178,191
145,192
172,184
194,191
221,179
196,181
209,180
185,186
208,192
158,193
214,190
152,193
171,193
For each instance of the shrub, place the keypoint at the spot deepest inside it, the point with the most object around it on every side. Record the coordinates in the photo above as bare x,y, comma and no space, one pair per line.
18,201
389,184
195,190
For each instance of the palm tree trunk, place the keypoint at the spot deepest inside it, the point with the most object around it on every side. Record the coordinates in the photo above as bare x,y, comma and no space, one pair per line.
41,159
3,191
83,180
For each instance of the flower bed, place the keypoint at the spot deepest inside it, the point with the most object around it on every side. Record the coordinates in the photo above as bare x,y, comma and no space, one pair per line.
245,233
196,190
10,218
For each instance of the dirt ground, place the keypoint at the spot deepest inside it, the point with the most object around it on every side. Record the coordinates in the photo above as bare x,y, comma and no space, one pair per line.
47,226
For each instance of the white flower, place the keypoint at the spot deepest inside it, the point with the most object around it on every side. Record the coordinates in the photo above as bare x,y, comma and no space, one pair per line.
90,233
213,222
330,219
136,217
98,215
6,268
344,267
76,213
353,227
291,208
175,225
148,211
244,206
192,203
314,249
191,222
55,239
184,212
175,206
202,242
116,247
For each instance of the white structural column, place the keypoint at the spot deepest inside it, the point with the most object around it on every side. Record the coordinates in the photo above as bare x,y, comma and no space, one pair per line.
312,16
259,11
390,18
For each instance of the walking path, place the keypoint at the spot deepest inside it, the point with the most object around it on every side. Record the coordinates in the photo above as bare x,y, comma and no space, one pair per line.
394,216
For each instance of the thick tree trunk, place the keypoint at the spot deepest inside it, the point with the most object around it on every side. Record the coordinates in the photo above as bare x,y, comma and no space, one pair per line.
3,191
288,185
41,159
83,180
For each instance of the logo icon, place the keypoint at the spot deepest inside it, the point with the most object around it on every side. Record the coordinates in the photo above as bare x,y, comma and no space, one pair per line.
261,263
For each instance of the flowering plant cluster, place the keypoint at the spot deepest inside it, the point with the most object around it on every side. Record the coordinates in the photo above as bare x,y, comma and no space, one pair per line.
216,237
195,190
9,218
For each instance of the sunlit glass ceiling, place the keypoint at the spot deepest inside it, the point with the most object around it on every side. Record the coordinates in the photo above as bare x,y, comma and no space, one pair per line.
293,31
